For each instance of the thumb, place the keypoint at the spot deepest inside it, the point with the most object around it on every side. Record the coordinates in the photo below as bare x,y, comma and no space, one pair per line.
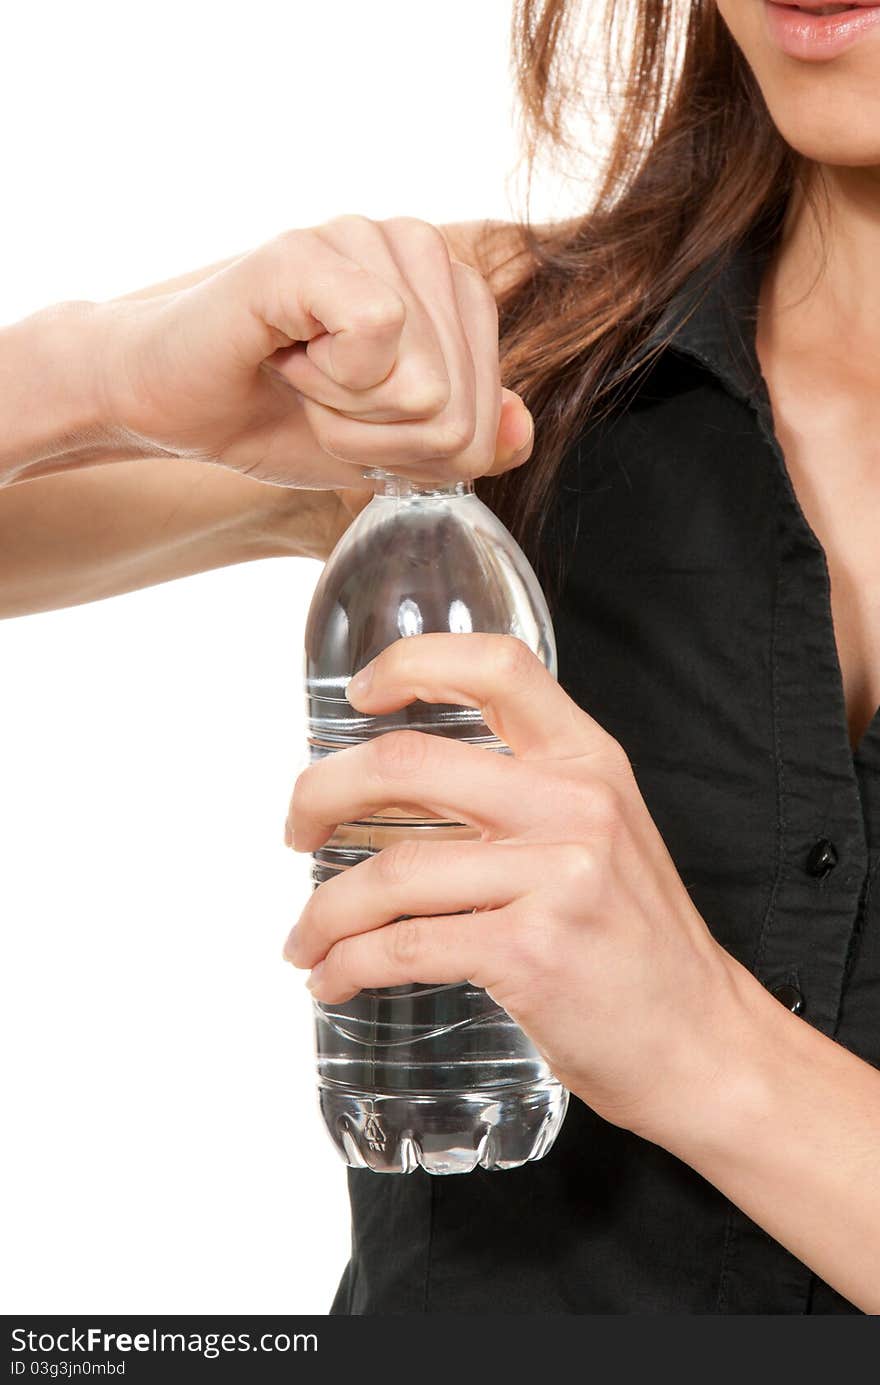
516,434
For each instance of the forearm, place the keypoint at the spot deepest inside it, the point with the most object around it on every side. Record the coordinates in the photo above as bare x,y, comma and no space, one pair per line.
50,406
102,530
74,528
789,1130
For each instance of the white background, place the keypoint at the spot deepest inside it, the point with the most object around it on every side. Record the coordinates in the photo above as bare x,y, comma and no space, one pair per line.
162,1149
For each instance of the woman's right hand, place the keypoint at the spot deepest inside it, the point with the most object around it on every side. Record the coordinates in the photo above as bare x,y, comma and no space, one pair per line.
323,353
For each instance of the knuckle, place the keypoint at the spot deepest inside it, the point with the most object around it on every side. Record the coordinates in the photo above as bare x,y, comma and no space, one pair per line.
423,396
349,221
423,236
515,661
603,807
400,753
399,863
469,278
404,941
576,869
386,309
452,436
338,959
322,906
311,927
303,790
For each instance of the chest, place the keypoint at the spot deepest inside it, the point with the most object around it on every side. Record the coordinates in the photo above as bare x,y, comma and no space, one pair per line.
828,425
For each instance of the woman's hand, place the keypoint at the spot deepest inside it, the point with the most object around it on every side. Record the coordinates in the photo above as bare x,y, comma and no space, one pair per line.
584,931
327,351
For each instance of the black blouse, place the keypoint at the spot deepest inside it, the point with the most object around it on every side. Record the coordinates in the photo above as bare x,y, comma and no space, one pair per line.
695,625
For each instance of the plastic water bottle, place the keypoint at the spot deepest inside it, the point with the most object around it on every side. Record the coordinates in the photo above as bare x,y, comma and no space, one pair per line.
436,1076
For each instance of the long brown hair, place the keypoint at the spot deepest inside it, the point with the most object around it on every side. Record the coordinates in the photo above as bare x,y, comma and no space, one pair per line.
694,163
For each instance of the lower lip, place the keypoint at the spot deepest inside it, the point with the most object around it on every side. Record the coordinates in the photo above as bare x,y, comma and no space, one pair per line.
818,37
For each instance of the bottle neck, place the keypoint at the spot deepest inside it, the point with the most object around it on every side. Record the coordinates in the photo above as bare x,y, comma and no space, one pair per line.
387,483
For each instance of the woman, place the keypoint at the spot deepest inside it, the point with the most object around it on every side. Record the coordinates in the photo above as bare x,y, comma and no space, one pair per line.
674,880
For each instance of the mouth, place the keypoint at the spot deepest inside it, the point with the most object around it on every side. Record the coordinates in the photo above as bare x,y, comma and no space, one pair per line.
823,10
818,32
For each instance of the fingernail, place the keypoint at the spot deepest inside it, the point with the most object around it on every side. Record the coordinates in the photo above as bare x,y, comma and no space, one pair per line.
359,684
288,835
287,954
314,975
524,432
522,438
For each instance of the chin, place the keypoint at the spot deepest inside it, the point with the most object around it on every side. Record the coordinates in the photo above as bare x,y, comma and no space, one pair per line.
828,111
830,132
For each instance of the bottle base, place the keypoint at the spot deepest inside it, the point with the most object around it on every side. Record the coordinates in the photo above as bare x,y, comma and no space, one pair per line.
444,1132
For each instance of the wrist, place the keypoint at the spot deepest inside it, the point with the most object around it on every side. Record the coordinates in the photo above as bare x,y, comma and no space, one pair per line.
735,1076
52,399
287,521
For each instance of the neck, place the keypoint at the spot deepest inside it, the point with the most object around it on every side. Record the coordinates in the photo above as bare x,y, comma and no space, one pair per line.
826,274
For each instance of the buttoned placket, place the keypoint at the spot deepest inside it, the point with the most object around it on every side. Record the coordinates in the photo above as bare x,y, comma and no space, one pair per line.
823,860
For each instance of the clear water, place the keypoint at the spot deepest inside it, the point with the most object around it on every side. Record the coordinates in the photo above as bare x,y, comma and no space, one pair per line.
430,1076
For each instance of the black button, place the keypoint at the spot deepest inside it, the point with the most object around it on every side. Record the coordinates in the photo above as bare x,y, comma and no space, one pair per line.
790,997
821,858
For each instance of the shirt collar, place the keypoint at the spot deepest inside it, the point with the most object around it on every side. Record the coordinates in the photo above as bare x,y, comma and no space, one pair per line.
713,317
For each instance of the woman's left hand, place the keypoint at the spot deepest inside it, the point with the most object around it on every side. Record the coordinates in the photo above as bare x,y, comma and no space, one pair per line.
584,932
